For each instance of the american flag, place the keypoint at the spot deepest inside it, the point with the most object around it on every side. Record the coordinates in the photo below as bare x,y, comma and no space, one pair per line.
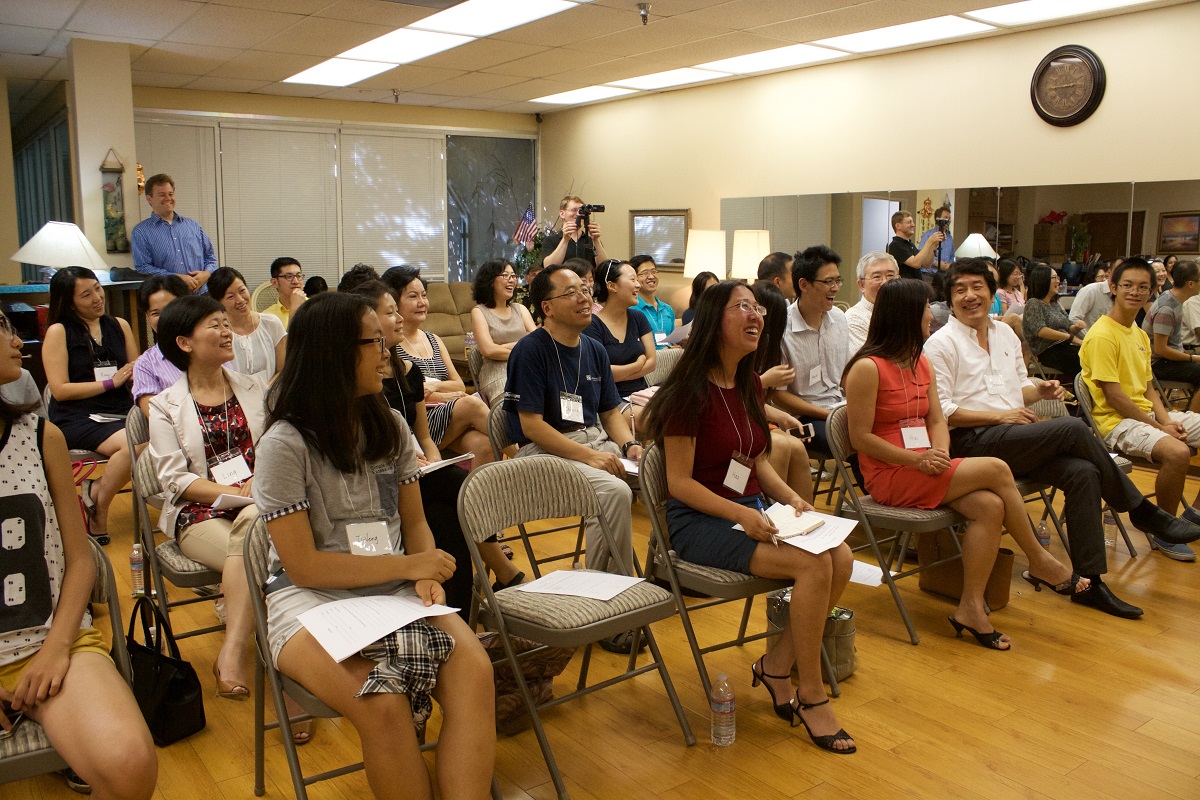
527,229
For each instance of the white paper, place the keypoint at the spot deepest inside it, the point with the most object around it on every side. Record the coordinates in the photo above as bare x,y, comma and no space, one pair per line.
660,338
631,466
228,501
106,418
445,462
832,532
679,334
581,583
344,627
866,574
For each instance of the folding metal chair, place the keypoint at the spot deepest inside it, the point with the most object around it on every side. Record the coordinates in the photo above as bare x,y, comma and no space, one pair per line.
664,362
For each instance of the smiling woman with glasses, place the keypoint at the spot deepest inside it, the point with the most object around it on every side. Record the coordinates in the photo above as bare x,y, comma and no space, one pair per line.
498,323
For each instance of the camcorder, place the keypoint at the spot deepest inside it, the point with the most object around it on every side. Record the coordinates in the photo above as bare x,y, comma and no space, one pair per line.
943,224
585,212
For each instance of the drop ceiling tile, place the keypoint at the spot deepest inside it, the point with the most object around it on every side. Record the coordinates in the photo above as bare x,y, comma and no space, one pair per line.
294,6
472,83
27,41
359,95
473,103
729,45
482,54
19,66
379,12
292,89
573,25
58,46
42,14
657,35
211,84
232,27
862,17
317,36
142,19
183,58
524,108
421,99
665,8
528,90
614,70
560,59
408,77
257,65
957,6
166,80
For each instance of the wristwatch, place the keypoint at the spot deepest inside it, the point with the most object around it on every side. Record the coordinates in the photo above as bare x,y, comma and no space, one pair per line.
625,447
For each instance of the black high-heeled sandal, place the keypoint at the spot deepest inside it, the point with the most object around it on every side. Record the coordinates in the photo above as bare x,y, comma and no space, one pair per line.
1067,587
823,742
785,711
516,581
89,510
988,640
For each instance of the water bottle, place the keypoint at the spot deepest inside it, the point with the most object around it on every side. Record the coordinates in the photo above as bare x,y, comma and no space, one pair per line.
724,719
1110,529
1043,534
136,565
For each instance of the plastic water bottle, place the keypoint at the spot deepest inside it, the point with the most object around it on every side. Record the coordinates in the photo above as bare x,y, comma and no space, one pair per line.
1043,535
1110,529
136,569
724,714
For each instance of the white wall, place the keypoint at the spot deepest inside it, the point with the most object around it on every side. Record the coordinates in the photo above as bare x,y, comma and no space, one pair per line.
840,127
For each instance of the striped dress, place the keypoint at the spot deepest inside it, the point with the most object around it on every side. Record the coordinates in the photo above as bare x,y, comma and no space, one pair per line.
433,368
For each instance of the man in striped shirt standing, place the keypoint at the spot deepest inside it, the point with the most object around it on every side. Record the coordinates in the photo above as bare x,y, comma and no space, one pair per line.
166,243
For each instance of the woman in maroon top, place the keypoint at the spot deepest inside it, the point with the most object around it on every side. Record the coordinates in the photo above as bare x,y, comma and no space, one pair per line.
714,482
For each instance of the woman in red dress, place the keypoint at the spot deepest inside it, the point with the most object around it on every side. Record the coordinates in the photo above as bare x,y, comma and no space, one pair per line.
903,442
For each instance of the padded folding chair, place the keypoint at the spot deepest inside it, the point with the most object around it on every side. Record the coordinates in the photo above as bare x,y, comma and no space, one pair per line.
664,362
266,676
1168,390
902,522
76,454
263,297
474,364
719,585
167,561
504,494
28,752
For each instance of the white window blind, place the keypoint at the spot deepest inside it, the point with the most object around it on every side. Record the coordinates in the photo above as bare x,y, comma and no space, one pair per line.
279,193
188,154
394,201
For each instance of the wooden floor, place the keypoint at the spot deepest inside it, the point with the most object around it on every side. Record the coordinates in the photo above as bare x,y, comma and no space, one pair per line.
1084,706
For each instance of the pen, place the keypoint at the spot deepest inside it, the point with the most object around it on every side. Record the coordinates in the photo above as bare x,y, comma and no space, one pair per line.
758,502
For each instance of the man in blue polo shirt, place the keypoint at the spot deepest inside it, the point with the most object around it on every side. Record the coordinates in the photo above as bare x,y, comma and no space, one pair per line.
166,243
561,399
657,311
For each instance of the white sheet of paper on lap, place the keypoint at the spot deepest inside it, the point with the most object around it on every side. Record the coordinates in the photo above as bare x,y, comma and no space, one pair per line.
228,501
631,466
581,583
344,627
829,531
679,334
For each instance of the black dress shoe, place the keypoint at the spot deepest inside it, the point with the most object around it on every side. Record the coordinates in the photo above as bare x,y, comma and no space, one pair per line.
622,643
1166,527
1101,598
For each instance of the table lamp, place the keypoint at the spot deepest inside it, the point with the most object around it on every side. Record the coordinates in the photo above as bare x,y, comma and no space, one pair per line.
749,248
705,252
61,244
976,247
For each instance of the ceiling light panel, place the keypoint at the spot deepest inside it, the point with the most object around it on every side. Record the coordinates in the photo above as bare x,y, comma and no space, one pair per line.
587,94
405,45
1032,11
485,17
340,72
672,77
791,56
910,33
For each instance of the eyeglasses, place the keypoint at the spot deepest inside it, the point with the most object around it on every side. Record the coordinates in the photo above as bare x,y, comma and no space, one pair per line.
1131,289
747,307
646,273
887,276
508,276
572,294
291,276
829,281
379,340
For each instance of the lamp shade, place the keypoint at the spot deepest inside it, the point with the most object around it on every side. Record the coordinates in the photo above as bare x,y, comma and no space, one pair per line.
60,244
749,248
975,247
705,253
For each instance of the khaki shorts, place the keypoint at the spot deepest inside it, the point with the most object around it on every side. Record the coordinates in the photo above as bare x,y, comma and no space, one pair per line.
1135,438
89,640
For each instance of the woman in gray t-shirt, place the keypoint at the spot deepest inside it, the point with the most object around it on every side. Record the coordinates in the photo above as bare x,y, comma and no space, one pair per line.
336,483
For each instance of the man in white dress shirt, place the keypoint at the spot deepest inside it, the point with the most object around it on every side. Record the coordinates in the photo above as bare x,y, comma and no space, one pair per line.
1091,303
874,270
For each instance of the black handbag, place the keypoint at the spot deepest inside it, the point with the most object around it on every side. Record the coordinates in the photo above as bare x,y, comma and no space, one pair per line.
166,687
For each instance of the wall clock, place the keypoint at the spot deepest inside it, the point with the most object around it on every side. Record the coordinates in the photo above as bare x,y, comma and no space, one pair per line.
1067,86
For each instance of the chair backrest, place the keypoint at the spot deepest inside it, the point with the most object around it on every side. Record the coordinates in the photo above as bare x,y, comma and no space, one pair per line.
1048,409
137,428
263,297
652,475
1084,396
104,592
257,553
145,479
474,364
497,434
665,361
837,433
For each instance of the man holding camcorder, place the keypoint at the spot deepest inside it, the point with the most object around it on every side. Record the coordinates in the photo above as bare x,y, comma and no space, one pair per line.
580,236
943,255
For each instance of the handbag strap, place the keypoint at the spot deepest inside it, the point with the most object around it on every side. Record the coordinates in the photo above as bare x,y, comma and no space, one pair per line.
162,629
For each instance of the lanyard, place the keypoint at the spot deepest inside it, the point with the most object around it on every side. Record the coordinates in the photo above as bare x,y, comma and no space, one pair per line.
578,366
224,416
736,431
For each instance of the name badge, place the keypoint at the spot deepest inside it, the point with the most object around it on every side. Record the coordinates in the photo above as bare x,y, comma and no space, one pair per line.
738,474
104,370
369,538
995,383
229,469
915,434
571,407
814,375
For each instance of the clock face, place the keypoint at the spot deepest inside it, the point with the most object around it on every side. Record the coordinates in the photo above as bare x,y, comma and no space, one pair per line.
1068,85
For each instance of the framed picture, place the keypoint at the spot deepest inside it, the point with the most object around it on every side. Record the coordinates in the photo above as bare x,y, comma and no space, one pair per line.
661,234
1179,232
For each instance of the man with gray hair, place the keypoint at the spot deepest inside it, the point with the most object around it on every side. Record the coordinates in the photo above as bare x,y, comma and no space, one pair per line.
874,270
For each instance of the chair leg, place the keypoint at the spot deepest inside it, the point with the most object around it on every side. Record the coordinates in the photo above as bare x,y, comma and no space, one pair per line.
834,689
259,732
1124,532
745,621
684,725
885,566
583,667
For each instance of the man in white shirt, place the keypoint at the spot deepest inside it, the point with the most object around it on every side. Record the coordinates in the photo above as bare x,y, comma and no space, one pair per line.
985,390
1091,303
874,270
816,342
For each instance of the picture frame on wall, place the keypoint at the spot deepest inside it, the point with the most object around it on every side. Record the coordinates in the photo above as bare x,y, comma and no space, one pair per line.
661,233
1179,232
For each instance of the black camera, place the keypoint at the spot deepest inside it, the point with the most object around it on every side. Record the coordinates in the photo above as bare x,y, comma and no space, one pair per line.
943,224
585,211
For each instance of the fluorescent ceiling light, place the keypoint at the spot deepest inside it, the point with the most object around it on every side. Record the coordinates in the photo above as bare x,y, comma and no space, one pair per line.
790,56
585,95
672,77
485,17
340,72
926,30
405,45
1032,11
